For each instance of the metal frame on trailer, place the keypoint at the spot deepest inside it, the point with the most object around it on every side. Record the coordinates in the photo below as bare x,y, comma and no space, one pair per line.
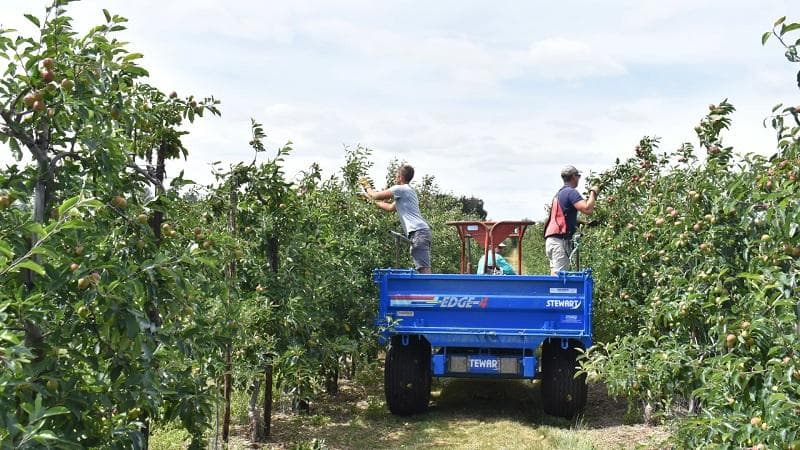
486,234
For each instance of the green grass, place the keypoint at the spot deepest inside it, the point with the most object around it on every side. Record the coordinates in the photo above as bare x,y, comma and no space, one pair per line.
464,414
169,437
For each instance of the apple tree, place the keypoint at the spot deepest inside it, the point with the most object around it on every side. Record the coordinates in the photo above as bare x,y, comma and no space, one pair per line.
696,272
107,311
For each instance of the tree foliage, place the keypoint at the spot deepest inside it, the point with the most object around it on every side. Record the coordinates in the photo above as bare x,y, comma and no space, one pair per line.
697,290
128,300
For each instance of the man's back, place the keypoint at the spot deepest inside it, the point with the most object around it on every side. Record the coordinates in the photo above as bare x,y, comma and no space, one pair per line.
567,196
407,205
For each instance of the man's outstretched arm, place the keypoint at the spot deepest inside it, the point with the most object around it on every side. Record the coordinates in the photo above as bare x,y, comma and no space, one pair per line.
386,206
373,194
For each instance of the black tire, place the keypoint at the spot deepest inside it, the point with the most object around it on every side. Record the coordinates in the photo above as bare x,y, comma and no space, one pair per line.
407,376
563,394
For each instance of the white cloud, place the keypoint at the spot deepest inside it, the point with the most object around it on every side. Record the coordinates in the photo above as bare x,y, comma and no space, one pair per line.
569,59
491,99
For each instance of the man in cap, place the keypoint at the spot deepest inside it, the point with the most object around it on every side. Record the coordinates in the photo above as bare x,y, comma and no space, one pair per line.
563,219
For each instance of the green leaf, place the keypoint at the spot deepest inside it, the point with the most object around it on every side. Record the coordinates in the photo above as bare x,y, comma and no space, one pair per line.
44,251
15,148
791,27
132,56
35,228
28,264
207,261
43,436
72,224
9,337
55,411
765,37
34,20
135,70
6,250
180,182
780,21
92,203
69,203
107,14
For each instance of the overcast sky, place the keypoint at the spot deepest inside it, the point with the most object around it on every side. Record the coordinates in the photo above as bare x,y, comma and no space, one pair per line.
491,98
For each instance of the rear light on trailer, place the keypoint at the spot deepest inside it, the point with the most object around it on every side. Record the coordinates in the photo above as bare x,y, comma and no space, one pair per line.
509,366
457,364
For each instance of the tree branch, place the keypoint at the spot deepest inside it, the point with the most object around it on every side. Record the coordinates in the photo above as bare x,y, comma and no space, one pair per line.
71,152
794,116
22,93
51,170
26,140
146,175
775,33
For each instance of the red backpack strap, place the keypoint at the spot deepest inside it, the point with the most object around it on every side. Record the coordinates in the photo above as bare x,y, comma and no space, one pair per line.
557,222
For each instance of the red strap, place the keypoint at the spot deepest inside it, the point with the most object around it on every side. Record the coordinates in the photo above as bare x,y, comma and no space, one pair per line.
557,223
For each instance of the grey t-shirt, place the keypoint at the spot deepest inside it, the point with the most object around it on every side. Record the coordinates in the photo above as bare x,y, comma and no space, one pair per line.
407,205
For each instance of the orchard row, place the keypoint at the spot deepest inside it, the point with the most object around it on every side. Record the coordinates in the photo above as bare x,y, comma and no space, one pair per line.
129,301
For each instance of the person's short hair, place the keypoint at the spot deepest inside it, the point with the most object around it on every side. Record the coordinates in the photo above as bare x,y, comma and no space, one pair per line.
407,172
568,172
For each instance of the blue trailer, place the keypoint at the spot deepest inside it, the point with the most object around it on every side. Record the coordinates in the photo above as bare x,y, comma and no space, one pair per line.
484,326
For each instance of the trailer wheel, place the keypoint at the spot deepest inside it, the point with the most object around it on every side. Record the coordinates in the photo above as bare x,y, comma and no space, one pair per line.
407,376
563,394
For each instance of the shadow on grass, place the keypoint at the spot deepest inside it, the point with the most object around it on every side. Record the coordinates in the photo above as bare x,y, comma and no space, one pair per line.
521,401
504,413
490,400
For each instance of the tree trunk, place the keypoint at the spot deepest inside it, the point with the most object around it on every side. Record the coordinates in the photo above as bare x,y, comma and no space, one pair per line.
302,406
44,182
40,192
268,400
272,257
256,419
146,432
797,313
155,224
231,276
226,415
272,254
158,219
34,336
332,381
160,174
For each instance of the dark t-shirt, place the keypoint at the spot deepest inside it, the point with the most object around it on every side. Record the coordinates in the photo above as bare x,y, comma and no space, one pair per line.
567,197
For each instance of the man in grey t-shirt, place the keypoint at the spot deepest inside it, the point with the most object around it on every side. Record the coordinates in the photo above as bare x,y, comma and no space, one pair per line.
406,204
